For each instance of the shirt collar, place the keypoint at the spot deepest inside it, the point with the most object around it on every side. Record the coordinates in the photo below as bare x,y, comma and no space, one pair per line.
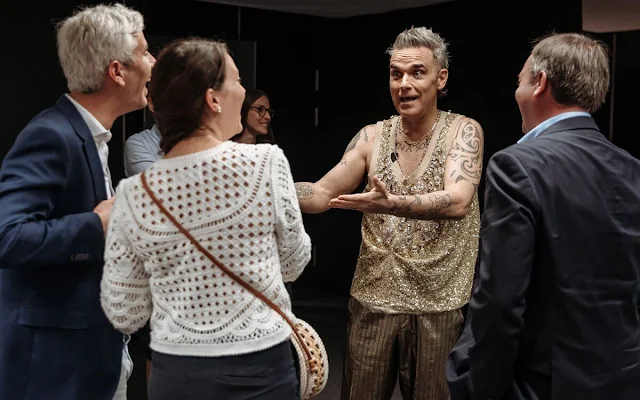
99,132
532,134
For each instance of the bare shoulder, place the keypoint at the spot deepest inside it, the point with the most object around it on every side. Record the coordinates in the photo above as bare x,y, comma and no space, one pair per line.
363,140
466,132
469,128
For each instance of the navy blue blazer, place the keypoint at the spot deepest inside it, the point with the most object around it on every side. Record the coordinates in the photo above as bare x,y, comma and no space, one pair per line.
55,341
554,314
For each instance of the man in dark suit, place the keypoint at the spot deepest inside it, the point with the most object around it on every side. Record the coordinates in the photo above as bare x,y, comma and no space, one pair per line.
55,202
554,314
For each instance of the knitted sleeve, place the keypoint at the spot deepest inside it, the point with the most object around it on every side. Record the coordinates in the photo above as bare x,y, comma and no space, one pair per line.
294,244
124,294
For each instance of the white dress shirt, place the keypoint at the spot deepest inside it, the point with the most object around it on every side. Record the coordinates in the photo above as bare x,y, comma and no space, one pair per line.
101,136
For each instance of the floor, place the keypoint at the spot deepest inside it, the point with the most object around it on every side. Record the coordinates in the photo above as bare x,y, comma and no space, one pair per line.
329,319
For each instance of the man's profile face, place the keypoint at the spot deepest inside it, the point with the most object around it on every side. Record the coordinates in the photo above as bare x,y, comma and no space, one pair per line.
524,95
414,80
138,74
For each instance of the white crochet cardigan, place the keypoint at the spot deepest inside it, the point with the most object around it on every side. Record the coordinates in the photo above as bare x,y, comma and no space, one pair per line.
239,201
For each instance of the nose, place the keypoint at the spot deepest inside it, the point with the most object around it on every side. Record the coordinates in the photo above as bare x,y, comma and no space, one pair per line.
267,116
153,60
404,83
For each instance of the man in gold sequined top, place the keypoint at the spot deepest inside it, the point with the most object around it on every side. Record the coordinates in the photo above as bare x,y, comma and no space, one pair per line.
419,228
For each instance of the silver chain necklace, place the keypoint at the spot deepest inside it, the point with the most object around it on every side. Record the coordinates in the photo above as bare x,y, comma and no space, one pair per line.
416,144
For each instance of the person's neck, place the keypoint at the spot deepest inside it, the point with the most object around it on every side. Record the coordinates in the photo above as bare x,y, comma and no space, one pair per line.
103,107
246,137
417,128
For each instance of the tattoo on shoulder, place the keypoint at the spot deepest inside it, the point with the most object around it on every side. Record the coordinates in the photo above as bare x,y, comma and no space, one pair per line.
362,134
467,152
343,161
304,190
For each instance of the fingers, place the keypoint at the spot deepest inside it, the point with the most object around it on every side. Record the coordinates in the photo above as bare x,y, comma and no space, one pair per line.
353,197
379,185
335,203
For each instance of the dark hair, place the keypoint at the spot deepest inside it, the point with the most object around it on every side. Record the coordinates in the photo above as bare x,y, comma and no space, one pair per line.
184,71
251,97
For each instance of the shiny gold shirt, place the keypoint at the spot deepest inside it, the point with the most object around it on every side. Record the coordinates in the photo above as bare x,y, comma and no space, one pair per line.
409,265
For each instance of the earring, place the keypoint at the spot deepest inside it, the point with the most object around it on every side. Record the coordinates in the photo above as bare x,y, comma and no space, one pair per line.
219,109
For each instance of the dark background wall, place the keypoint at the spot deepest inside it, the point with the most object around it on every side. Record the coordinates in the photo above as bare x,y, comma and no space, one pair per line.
488,45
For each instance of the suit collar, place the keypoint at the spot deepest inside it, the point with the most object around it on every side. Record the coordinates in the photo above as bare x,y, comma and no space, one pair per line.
73,115
571,124
90,149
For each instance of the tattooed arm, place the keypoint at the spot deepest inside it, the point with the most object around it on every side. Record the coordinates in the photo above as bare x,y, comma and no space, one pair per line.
463,169
343,178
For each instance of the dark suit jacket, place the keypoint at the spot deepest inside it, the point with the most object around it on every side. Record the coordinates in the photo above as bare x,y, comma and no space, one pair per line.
55,341
555,311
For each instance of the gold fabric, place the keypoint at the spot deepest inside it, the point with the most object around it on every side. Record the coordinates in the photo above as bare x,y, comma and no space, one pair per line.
408,265
384,346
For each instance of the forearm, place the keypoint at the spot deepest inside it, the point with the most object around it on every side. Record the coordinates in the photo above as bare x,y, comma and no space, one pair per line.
78,237
127,310
293,260
442,204
312,197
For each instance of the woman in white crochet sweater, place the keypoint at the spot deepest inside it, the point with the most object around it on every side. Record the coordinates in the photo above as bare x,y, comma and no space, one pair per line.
211,338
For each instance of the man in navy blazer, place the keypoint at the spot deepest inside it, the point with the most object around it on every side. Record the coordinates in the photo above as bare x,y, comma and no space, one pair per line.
554,314
55,202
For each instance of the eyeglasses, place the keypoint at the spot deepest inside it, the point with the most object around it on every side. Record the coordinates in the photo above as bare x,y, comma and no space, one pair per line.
261,110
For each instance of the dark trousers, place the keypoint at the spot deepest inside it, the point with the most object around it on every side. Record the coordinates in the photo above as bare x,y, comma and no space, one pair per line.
266,375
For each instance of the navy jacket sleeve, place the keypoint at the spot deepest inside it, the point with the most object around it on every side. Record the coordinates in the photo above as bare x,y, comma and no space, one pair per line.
32,180
508,242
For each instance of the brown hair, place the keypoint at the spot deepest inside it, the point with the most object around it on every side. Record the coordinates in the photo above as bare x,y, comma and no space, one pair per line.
184,71
251,96
577,68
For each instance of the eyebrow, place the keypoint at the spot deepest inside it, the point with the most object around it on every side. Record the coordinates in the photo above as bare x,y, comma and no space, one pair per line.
414,66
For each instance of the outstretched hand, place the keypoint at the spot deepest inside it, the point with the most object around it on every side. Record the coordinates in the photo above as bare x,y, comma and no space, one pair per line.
376,201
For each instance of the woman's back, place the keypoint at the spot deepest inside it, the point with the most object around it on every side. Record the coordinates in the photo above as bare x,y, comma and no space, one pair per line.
239,202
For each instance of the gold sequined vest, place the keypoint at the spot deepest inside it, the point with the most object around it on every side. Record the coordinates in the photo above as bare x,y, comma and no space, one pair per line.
408,265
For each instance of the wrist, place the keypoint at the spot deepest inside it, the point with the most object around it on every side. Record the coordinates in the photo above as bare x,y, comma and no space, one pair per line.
393,201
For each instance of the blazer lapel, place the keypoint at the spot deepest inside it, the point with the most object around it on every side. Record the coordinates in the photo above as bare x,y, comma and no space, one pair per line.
89,145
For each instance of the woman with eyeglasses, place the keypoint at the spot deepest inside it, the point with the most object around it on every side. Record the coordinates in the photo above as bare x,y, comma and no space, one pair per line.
256,117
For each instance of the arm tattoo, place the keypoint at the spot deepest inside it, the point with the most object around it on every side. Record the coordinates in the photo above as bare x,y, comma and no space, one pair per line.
343,161
304,190
362,134
404,205
439,202
467,152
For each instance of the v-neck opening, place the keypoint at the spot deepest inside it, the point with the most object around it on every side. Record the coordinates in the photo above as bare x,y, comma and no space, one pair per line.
426,159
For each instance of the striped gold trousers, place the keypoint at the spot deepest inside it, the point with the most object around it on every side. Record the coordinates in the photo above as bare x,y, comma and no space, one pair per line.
383,347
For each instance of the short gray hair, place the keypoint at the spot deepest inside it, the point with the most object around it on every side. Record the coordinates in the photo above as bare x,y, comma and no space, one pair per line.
93,37
577,69
422,37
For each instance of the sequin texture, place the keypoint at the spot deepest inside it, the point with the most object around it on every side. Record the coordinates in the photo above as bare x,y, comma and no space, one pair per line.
416,266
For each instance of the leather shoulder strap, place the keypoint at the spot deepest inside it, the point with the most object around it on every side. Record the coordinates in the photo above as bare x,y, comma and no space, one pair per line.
215,261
